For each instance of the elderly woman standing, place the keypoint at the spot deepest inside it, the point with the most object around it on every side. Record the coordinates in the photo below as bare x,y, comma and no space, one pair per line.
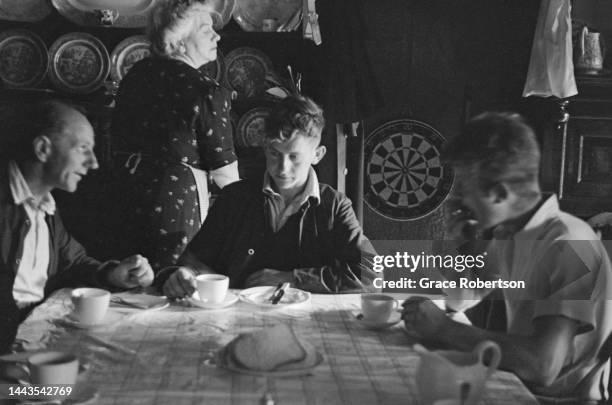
176,121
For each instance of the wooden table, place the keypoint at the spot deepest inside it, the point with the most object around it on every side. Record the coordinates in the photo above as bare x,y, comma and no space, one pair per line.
173,360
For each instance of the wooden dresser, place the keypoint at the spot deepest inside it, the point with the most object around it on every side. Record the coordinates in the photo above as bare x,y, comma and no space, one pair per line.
577,152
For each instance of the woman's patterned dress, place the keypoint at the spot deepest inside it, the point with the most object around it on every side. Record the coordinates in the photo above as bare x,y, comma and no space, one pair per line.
174,116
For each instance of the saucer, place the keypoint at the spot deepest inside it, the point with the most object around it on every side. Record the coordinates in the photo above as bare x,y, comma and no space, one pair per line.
230,299
260,296
110,318
394,319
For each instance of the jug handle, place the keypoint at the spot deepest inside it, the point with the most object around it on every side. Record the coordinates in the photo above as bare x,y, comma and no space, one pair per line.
482,348
583,35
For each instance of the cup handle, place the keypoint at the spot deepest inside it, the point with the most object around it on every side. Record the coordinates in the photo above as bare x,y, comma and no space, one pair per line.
396,305
488,346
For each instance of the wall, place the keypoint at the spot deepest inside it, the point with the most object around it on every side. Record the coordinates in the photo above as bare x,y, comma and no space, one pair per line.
439,61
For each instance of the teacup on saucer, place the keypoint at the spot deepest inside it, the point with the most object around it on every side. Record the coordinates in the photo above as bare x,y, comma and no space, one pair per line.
195,301
394,319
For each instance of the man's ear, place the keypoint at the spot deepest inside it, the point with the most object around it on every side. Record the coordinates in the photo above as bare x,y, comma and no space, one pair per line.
319,153
42,148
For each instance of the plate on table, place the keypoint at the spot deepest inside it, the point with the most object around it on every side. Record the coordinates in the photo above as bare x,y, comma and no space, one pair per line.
225,359
251,129
246,70
250,14
127,53
24,10
79,63
139,301
24,58
215,69
230,299
260,296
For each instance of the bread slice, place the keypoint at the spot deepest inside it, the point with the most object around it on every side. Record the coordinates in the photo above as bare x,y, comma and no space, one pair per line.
267,349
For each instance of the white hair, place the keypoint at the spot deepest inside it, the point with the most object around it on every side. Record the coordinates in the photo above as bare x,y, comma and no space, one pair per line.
172,20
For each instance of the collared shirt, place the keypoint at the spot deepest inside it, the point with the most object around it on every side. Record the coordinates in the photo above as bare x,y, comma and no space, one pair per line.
567,273
33,265
277,210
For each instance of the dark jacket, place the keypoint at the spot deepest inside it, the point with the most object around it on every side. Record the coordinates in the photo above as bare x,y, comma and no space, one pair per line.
329,244
69,265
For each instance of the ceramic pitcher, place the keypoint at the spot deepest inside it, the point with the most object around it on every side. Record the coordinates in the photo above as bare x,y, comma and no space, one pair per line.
591,52
453,376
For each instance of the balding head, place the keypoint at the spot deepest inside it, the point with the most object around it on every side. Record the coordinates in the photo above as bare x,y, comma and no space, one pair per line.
48,118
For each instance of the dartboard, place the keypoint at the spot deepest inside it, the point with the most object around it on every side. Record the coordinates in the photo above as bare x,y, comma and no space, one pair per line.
404,177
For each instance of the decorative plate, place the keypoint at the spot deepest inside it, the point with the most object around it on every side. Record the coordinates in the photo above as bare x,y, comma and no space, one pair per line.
24,58
252,127
404,177
285,14
24,10
79,63
225,8
216,68
246,70
127,53
79,13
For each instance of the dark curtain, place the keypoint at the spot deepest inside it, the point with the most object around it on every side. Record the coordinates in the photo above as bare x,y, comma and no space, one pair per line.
349,86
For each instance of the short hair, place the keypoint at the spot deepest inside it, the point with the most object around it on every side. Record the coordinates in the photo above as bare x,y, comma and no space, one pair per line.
295,114
498,147
171,20
30,121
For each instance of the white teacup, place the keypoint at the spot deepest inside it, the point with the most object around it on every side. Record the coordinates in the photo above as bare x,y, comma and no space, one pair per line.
90,305
378,307
53,368
212,288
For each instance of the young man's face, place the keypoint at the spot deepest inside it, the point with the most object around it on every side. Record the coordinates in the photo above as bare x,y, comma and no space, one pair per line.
487,207
288,162
71,154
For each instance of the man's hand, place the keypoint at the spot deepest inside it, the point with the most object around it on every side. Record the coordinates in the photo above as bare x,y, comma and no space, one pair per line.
268,277
423,319
460,222
134,271
180,284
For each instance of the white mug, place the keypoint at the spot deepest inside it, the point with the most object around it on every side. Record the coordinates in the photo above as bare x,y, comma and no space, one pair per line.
53,368
90,305
378,307
212,288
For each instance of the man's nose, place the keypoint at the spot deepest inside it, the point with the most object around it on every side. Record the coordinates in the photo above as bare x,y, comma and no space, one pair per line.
283,165
93,162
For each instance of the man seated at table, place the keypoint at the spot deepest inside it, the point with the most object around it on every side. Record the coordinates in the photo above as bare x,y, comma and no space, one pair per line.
558,324
52,149
291,228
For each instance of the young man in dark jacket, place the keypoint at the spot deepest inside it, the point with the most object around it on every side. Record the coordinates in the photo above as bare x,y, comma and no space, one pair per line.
288,228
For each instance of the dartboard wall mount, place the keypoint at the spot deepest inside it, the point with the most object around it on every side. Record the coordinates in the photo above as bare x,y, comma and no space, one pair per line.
404,176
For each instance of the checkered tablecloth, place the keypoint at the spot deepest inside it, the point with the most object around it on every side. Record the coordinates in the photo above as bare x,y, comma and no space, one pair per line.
168,356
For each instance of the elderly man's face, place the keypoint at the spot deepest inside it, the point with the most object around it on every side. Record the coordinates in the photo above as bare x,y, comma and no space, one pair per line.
72,154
